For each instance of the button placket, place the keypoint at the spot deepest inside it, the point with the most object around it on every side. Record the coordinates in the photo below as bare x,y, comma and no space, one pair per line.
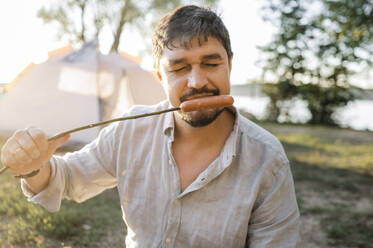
173,223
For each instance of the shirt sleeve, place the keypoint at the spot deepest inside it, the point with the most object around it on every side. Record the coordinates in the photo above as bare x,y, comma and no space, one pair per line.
80,175
275,219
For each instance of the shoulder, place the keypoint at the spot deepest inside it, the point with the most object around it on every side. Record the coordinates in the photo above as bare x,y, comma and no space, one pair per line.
259,137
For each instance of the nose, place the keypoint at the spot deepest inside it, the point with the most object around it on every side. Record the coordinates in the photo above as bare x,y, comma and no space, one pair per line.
197,78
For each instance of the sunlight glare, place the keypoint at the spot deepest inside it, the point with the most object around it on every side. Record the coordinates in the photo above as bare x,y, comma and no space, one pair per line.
40,57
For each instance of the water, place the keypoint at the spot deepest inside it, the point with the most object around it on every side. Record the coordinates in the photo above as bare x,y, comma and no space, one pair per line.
357,115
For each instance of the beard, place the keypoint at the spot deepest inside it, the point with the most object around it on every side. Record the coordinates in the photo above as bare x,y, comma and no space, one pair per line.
200,118
203,117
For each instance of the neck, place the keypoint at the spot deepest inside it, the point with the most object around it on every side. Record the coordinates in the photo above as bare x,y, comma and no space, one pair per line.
218,129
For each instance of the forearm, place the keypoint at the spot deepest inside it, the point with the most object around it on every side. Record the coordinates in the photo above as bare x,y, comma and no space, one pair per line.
38,182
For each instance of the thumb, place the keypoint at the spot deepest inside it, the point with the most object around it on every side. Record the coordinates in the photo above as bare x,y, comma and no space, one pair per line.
56,143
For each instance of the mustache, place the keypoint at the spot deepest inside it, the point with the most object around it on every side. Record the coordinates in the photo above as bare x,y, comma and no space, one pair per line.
204,89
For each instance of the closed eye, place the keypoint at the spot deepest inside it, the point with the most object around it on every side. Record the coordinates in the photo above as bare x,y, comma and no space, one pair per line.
178,69
211,65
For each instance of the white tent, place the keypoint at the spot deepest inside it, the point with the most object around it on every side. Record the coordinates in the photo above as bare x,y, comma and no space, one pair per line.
76,88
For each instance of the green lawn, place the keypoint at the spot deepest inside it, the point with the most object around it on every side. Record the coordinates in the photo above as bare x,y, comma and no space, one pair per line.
94,223
333,173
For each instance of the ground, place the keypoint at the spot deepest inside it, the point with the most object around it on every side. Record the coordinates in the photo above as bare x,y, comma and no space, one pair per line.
333,175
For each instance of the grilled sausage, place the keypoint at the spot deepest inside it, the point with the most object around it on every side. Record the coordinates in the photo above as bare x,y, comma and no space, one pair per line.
207,102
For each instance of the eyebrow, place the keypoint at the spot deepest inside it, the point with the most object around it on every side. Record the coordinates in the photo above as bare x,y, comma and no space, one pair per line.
205,57
211,56
176,61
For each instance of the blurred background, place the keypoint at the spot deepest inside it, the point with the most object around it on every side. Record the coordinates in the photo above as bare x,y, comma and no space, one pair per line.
301,69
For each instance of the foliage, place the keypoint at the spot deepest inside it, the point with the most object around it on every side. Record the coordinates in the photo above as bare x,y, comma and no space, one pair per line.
83,20
323,102
319,45
278,94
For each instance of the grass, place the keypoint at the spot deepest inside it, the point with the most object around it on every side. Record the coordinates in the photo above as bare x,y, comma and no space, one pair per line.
79,225
333,174
94,223
332,170
349,228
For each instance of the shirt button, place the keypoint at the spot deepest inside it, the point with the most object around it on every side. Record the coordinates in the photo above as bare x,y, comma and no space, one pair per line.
168,240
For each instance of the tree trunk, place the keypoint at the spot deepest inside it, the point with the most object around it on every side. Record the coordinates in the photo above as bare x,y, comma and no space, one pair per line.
273,111
119,30
321,116
82,33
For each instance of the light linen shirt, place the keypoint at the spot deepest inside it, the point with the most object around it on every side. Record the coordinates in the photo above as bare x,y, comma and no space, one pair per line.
245,198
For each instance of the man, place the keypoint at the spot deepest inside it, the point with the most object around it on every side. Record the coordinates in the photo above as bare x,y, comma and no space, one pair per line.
207,178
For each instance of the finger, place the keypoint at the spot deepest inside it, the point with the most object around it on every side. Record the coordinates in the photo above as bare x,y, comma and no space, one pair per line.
11,146
21,156
19,153
54,144
7,153
8,160
14,154
39,138
26,142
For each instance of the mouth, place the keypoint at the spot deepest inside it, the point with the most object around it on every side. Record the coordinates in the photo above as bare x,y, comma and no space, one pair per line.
199,93
196,96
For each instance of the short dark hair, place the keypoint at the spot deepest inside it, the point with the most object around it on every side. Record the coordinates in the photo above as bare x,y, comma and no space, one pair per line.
185,23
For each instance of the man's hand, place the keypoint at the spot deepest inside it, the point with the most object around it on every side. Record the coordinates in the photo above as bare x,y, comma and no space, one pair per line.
29,150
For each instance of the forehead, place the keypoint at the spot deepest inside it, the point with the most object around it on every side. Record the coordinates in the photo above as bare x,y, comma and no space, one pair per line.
194,49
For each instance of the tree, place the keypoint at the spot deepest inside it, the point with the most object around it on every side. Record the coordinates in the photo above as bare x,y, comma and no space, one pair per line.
318,46
83,20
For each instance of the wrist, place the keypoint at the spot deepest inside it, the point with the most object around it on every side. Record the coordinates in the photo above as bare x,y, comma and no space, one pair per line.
31,174
39,181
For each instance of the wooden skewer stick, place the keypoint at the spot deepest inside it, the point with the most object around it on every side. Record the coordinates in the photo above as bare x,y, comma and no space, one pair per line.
110,121
187,106
2,170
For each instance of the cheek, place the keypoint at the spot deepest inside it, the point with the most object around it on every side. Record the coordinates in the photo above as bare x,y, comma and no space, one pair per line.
173,89
227,87
165,88
223,83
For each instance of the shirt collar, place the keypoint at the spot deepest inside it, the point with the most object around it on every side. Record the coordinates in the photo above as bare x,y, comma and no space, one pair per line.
169,124
234,138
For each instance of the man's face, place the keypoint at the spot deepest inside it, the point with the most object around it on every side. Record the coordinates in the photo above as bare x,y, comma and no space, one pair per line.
199,71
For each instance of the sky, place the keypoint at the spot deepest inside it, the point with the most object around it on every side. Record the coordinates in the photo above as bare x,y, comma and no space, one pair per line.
25,39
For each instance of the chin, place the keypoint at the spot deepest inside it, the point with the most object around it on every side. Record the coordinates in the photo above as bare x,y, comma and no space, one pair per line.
200,118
